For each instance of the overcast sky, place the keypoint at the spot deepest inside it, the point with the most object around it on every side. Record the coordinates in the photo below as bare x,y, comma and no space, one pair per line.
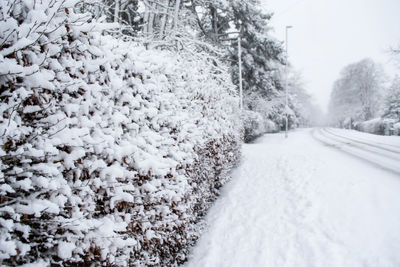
330,34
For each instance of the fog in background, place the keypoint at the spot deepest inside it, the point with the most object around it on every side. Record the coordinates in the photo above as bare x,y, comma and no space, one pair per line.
328,35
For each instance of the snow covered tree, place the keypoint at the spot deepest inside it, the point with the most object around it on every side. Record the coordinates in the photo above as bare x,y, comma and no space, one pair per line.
306,113
262,61
124,12
152,19
357,94
392,101
262,55
161,17
395,52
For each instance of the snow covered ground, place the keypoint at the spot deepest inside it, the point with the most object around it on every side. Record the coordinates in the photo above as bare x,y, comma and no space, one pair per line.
381,151
392,141
385,141
297,202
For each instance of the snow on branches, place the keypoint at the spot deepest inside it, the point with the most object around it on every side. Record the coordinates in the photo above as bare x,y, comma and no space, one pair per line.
110,153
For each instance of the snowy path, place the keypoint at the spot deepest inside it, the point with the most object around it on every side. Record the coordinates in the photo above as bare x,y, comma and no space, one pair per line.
296,202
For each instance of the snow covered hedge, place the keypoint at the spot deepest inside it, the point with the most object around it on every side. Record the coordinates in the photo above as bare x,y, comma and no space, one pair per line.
256,125
396,129
109,153
377,126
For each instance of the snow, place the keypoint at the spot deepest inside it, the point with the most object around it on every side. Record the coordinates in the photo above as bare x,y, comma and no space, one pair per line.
382,151
105,144
389,141
297,202
6,224
39,263
36,206
65,250
7,248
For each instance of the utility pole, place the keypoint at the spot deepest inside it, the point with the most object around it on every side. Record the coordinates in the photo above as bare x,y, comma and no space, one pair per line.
286,84
240,73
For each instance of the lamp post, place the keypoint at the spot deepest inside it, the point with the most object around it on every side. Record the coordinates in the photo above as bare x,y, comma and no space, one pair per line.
286,83
240,73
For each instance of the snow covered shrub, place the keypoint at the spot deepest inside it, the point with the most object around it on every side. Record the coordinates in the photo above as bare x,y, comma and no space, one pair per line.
271,127
374,126
253,124
396,129
388,126
377,126
271,110
109,152
348,123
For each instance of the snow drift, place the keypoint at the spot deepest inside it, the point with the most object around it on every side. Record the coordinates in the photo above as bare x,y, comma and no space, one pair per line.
109,152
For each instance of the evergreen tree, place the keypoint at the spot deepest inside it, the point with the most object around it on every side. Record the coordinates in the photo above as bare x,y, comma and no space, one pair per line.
262,55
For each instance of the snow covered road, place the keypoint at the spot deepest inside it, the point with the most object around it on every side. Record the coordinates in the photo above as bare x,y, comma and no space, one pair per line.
295,202
382,151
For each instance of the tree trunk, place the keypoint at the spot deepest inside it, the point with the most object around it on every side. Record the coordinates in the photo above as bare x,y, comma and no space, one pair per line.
176,15
116,11
164,18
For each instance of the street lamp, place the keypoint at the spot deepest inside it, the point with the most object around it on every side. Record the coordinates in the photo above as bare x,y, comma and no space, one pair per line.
286,83
240,72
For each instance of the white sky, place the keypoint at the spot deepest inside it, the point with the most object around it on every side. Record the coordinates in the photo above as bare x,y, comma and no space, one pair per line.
330,34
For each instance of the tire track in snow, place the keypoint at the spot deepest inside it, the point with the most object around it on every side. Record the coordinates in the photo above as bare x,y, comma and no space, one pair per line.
373,154
379,146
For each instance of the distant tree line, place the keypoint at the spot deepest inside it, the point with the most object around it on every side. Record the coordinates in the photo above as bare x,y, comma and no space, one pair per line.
363,99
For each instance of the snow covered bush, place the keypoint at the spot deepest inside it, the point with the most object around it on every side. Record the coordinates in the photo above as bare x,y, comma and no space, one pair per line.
272,110
388,126
373,126
256,125
253,125
377,126
396,129
110,153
